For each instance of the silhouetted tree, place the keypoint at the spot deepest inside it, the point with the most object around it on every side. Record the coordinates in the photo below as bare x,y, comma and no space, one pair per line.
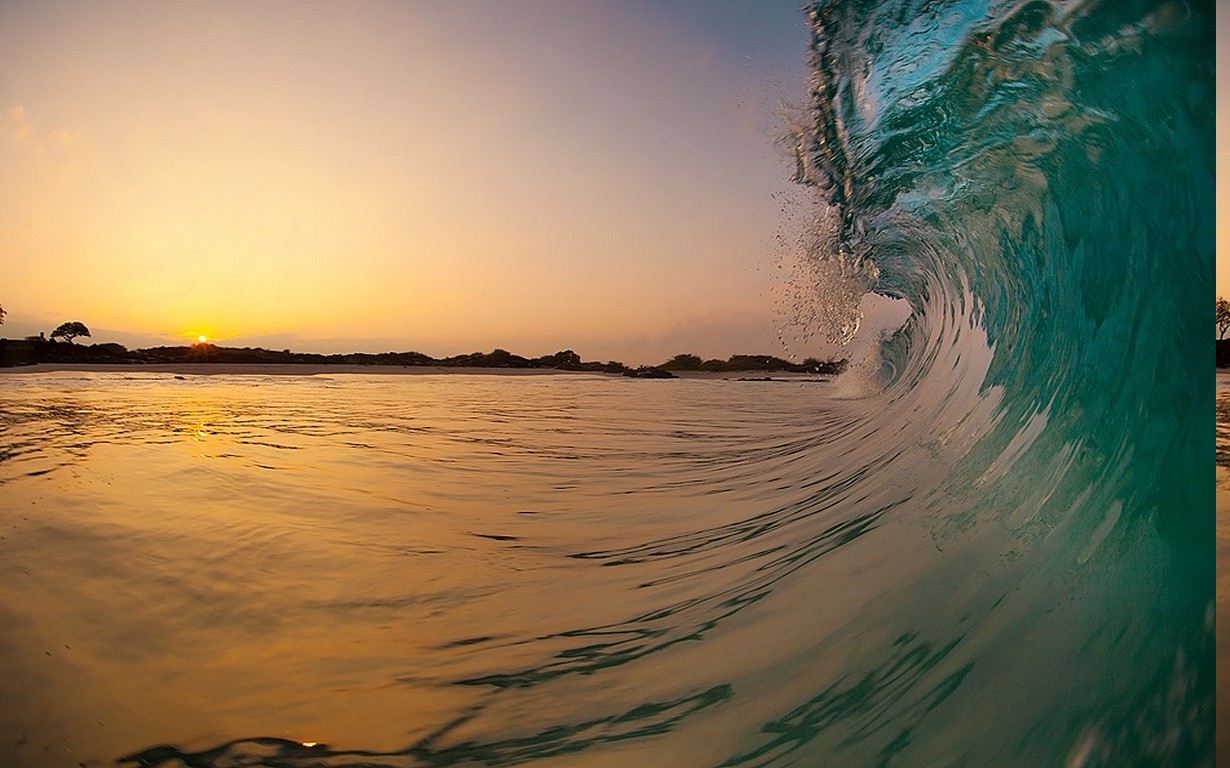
565,360
1223,317
70,331
684,362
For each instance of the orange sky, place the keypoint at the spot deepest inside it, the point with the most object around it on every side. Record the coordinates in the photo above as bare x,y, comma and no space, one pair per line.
444,177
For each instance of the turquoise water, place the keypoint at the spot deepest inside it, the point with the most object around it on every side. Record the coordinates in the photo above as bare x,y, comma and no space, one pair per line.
990,543
1037,179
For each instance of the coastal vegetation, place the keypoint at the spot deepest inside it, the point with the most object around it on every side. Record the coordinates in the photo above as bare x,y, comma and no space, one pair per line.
38,349
44,348
751,363
1222,317
70,331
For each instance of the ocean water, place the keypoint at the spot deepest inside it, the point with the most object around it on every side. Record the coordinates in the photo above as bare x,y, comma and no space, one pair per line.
992,542
567,570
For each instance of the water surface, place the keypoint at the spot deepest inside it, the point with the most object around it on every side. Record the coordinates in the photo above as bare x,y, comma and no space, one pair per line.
434,570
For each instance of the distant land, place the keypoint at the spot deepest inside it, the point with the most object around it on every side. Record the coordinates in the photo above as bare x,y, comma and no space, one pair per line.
34,351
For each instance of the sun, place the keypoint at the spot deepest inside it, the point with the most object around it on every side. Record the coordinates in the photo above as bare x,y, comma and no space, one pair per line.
202,339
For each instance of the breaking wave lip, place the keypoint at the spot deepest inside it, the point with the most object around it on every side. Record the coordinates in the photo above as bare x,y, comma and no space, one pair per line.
1036,179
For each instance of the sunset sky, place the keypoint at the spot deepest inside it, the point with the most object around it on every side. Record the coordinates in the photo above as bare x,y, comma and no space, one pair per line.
442,177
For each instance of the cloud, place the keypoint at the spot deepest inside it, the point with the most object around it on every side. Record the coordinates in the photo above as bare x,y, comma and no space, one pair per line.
66,137
16,125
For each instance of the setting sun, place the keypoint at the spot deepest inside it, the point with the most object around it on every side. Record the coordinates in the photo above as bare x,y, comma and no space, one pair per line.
202,339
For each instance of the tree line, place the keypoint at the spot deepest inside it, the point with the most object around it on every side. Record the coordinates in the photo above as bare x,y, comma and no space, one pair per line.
40,349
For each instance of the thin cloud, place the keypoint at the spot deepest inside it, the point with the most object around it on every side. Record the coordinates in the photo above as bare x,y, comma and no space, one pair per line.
16,125
67,138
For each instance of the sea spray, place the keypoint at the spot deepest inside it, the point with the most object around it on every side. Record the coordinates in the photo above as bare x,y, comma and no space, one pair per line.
821,284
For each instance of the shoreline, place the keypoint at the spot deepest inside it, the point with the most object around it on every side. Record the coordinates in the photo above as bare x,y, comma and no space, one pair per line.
312,369
279,369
